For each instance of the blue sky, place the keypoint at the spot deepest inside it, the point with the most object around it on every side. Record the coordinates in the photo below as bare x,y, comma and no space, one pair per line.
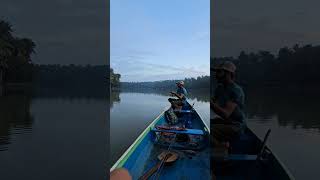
154,40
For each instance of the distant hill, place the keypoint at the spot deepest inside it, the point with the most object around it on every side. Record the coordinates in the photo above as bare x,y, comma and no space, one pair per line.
190,83
297,65
71,76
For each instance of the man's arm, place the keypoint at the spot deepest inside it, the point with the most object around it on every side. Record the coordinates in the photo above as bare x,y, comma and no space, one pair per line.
177,95
224,112
234,98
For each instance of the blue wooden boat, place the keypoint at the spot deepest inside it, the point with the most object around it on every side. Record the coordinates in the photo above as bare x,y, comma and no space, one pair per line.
249,158
190,144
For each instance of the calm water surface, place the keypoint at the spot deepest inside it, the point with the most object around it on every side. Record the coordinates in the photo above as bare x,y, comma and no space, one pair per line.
131,113
60,137
292,115
52,138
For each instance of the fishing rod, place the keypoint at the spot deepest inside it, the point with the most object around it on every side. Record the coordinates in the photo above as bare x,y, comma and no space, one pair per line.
166,157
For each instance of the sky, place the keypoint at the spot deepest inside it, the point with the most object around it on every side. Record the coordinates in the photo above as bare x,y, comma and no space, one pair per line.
65,31
253,25
159,40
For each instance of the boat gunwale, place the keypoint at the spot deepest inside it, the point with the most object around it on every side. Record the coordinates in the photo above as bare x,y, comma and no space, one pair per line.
132,147
137,141
207,127
286,170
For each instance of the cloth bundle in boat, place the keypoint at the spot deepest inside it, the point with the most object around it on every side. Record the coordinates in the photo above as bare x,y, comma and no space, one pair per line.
171,117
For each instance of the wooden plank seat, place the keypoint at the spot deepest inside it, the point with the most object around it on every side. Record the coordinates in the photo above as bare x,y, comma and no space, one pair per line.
186,131
241,157
234,157
183,111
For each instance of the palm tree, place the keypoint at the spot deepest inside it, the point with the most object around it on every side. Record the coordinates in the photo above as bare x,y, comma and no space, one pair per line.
15,53
5,29
6,40
6,46
25,47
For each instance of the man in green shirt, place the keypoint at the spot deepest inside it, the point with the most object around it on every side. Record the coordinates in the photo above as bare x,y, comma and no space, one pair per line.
228,104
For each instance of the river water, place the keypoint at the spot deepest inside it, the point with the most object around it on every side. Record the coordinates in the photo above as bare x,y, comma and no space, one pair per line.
52,137
65,137
132,112
290,113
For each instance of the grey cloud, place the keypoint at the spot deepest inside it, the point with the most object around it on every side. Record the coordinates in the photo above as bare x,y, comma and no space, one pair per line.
157,77
64,31
255,25
136,62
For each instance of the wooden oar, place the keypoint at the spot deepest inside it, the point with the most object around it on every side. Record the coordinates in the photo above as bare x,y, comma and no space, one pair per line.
165,158
264,143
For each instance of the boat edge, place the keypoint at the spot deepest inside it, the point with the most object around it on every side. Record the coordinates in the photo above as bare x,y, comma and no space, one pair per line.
205,124
132,147
291,177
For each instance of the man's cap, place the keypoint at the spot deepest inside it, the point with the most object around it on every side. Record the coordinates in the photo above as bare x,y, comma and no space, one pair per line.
227,66
180,82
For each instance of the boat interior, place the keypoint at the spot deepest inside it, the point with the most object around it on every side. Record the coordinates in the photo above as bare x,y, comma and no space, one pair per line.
248,158
191,145
194,137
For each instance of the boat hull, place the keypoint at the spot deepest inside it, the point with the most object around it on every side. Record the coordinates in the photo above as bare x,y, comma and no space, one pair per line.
244,161
142,154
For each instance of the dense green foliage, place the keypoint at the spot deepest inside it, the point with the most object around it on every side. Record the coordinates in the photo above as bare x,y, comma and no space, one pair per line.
114,79
71,76
15,55
190,83
296,65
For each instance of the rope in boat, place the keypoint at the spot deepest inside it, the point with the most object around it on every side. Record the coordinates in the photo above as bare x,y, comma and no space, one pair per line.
158,172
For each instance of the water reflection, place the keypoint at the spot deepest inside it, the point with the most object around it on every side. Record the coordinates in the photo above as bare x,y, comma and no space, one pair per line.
131,112
292,106
114,98
15,117
61,133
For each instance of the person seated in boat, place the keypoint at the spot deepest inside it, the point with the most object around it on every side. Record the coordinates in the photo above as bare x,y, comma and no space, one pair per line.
181,94
228,104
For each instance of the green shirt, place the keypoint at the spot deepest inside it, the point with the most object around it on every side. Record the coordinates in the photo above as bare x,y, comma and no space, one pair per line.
231,92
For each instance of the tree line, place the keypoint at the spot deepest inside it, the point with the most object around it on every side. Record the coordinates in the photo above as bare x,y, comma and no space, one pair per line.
15,55
202,82
292,106
70,76
295,65
114,79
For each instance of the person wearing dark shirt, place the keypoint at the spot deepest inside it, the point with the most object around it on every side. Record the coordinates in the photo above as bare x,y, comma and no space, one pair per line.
228,105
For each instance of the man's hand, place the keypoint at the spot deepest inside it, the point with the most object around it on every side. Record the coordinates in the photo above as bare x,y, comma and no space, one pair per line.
225,111
212,103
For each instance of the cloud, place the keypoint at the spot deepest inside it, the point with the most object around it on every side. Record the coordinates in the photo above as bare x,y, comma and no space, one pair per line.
140,77
254,25
135,68
254,34
65,31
